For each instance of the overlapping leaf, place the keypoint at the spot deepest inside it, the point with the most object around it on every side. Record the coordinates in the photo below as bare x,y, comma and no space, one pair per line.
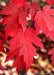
45,21
24,41
11,20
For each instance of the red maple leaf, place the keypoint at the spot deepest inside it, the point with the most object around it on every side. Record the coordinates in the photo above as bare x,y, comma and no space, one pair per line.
11,19
51,52
15,18
24,42
50,2
45,21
